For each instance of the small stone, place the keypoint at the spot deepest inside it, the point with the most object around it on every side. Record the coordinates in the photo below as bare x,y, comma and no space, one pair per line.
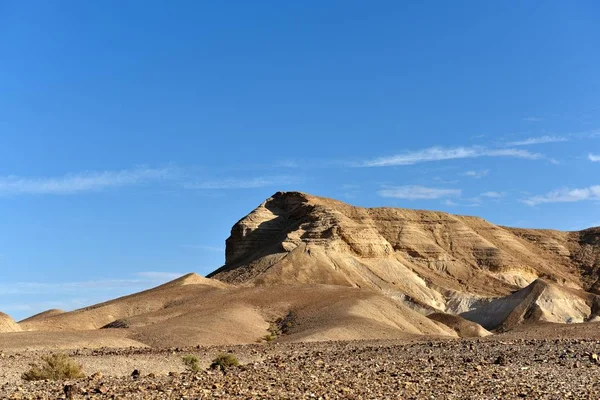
500,360
102,389
69,391
96,376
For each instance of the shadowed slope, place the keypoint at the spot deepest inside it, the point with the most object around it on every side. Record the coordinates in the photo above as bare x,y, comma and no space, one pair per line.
540,301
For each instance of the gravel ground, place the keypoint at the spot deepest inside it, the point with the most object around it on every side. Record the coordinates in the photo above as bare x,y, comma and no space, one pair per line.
457,369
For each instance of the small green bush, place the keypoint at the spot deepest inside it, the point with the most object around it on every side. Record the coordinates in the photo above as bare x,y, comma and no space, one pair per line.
281,326
270,337
55,367
224,361
191,363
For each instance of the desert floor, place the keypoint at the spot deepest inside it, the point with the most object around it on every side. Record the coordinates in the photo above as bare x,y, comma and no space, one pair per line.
550,362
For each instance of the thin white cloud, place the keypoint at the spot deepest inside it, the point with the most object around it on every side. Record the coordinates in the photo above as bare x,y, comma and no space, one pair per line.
234,183
492,195
33,307
350,186
532,119
414,192
594,157
159,276
452,203
566,196
287,164
477,174
143,279
441,154
538,140
79,183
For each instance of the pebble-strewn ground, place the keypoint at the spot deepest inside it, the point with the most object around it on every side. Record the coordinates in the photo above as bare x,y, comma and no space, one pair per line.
465,369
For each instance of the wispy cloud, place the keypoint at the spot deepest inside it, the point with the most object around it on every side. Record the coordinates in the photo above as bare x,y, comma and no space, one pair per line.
30,308
350,190
82,182
566,196
235,183
532,119
159,276
413,192
287,164
477,174
538,140
492,195
453,153
453,203
594,157
141,279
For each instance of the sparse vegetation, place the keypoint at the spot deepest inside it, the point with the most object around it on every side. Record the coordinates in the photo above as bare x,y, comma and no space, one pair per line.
117,324
54,367
269,337
281,326
224,361
191,363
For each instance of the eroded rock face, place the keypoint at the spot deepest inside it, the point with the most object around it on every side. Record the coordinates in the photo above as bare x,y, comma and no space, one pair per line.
268,225
433,261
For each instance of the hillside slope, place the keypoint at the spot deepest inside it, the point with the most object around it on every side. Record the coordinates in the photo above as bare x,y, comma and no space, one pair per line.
203,314
7,324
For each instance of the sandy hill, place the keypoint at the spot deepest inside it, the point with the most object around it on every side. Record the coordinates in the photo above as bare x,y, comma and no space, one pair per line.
198,313
148,301
7,324
306,268
43,314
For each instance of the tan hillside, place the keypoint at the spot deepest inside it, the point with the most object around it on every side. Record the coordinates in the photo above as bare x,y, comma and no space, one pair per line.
192,314
99,315
7,324
43,314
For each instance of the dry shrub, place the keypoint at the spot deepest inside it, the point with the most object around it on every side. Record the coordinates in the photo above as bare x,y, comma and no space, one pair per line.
224,361
191,363
54,367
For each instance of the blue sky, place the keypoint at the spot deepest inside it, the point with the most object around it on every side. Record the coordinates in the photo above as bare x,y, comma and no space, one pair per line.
133,135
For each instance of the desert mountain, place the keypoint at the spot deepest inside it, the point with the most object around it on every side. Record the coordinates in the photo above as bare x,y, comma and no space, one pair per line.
306,268
432,261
